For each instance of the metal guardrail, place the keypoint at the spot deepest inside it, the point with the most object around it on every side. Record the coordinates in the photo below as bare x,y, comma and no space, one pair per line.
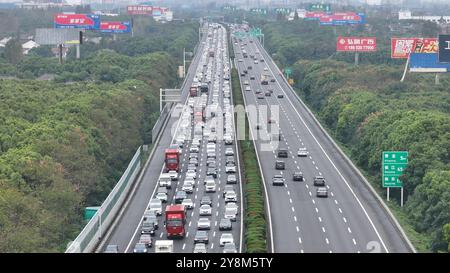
93,231
160,122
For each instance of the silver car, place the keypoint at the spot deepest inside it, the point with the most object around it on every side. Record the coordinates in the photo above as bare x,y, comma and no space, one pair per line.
203,223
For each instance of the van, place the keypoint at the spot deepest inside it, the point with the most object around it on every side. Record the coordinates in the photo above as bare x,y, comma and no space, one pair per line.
165,180
156,206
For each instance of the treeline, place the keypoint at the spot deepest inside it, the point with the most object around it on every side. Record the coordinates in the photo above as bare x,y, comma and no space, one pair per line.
65,143
368,110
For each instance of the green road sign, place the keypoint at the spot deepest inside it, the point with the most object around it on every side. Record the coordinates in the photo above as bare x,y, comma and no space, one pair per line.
283,10
288,70
89,212
258,10
319,7
393,164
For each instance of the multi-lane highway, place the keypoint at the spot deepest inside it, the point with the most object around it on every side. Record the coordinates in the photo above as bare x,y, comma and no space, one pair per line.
211,66
350,219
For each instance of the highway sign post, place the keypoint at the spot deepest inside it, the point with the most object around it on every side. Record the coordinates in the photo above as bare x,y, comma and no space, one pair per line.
393,164
444,48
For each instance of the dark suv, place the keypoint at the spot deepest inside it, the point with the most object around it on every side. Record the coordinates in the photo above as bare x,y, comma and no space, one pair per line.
319,181
279,165
283,153
297,176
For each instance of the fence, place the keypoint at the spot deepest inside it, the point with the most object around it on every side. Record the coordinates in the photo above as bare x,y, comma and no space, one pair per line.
93,231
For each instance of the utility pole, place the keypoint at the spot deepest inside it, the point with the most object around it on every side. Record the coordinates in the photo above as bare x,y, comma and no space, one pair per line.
184,62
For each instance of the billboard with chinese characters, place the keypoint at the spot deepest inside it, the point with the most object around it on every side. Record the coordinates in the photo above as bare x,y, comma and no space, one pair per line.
140,10
314,15
356,44
85,21
115,27
341,18
402,47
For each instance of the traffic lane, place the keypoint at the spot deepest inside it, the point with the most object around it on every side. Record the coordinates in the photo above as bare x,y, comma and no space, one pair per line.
378,216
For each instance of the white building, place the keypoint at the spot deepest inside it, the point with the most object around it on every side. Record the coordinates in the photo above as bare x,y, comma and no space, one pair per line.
4,41
407,15
28,46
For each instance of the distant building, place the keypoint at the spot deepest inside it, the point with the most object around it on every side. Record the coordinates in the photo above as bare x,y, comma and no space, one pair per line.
407,15
29,46
4,41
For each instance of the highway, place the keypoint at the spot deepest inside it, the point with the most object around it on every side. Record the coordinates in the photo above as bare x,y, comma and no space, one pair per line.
126,232
350,219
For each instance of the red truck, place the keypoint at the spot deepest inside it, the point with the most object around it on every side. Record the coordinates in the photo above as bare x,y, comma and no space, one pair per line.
172,160
175,221
193,91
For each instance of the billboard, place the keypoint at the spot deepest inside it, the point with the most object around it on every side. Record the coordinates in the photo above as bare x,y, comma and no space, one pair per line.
356,44
115,27
322,7
336,19
86,21
139,10
444,48
402,47
56,36
427,62
314,15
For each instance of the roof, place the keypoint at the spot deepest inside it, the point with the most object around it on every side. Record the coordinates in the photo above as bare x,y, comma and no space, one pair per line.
30,44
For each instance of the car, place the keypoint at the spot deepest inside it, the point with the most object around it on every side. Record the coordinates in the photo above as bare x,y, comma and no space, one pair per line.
193,161
260,96
247,88
302,152
173,175
270,90
193,155
194,149
229,152
252,77
203,223
262,60
146,239
210,186
280,96
278,180
112,249
230,196
279,165
233,207
229,248
156,206
206,200
205,210
267,94
201,236
225,224
188,204
180,196
192,167
319,181
212,172
271,121
297,176
258,126
211,163
230,160
140,248
322,192
258,91
246,82
188,187
230,168
272,80
226,238
162,196
200,248
266,69
148,227
192,174
231,179
208,178
240,60
228,188
282,153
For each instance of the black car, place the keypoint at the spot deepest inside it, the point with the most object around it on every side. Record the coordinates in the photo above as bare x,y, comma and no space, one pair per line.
319,181
245,71
267,94
201,236
272,80
279,165
206,200
282,153
180,196
212,172
297,176
249,67
280,96
225,224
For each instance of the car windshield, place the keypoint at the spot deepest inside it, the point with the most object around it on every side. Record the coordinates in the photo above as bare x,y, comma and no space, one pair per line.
174,223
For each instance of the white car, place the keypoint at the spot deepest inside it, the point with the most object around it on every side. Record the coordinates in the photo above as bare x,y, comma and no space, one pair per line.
229,152
162,196
203,223
230,197
155,206
210,186
191,174
187,203
302,152
226,238
265,69
230,168
188,187
173,175
205,210
194,149
232,207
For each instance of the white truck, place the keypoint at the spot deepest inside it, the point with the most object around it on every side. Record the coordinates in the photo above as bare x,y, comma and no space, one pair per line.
164,246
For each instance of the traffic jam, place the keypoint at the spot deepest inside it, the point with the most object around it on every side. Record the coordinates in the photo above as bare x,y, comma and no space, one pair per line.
197,204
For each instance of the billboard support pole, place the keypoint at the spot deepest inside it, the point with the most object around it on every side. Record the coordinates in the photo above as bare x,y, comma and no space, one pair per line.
436,79
401,197
356,58
406,69
60,54
387,194
78,51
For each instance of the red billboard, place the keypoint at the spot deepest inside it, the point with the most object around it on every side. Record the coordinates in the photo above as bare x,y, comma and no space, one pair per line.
115,27
356,44
139,10
314,15
86,21
402,47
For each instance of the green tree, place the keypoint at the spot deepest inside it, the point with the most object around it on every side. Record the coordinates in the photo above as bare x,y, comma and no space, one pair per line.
13,51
